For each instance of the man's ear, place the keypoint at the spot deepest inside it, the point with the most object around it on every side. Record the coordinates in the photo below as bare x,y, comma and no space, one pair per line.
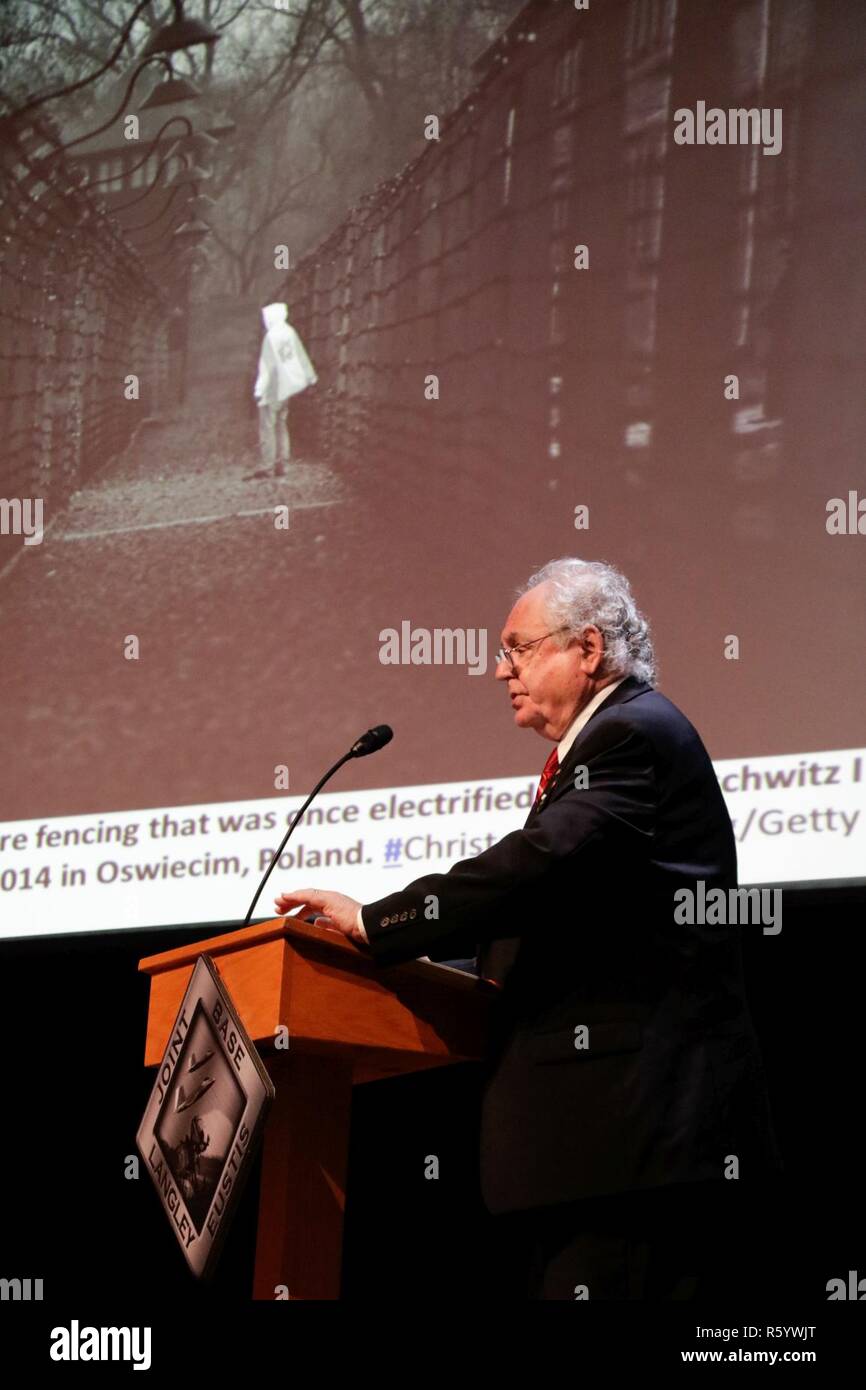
592,648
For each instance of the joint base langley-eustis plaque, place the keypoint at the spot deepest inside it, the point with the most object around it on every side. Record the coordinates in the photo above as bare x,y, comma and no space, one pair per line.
204,1119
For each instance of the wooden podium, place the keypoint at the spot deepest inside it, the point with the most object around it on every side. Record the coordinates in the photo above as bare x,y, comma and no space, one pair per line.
349,1021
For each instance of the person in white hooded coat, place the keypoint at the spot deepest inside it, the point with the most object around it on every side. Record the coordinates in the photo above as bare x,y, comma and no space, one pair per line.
284,370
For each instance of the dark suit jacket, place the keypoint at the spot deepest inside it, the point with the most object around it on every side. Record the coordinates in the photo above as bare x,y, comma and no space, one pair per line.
574,917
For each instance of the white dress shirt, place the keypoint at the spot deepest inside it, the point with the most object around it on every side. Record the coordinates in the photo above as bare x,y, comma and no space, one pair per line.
580,719
562,748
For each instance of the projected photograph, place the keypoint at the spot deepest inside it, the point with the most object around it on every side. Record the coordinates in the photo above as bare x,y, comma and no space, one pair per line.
300,355
432,559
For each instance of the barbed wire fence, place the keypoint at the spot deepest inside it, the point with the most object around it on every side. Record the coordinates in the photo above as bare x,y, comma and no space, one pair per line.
462,267
79,317
459,267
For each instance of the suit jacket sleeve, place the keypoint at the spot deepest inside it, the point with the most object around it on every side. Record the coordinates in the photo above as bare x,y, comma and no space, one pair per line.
474,901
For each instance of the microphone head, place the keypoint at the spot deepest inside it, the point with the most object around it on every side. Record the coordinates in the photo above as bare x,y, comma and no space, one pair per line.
371,741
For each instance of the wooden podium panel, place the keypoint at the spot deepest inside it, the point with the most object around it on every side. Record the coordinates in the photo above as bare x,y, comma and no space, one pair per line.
349,1021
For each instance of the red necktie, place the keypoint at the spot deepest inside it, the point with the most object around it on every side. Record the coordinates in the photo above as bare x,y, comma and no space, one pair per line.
551,767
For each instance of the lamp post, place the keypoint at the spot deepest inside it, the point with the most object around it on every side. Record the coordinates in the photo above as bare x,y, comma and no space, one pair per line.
77,255
166,239
180,33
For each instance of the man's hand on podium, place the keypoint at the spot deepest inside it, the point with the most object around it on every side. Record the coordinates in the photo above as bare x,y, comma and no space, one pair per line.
334,911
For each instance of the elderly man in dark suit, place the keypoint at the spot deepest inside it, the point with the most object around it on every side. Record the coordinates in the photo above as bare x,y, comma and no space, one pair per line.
625,1120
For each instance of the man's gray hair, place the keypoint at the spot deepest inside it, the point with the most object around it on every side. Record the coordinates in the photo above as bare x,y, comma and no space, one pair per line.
585,593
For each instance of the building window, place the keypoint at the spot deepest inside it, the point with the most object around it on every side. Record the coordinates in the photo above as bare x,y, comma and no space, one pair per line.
509,155
566,75
559,217
650,28
640,323
557,325
638,434
562,144
558,255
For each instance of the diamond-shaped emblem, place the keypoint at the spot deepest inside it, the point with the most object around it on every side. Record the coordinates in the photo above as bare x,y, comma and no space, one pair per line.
204,1119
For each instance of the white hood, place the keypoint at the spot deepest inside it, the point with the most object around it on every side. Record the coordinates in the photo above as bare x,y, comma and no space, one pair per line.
275,315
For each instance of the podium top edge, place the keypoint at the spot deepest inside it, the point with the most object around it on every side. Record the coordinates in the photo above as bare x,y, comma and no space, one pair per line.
321,938
255,935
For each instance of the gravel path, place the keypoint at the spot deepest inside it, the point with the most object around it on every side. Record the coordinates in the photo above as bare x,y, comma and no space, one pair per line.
258,646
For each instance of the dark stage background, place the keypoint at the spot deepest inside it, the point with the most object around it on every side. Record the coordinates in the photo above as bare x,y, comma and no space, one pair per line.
74,1017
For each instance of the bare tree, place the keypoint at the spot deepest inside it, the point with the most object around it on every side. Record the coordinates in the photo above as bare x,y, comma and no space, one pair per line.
326,97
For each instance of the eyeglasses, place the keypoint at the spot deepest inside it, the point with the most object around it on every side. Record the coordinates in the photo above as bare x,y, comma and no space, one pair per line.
505,653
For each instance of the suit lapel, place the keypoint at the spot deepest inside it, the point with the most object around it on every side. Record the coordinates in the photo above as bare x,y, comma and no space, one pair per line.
496,958
629,688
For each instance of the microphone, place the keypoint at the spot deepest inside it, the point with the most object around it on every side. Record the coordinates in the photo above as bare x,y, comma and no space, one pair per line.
369,742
